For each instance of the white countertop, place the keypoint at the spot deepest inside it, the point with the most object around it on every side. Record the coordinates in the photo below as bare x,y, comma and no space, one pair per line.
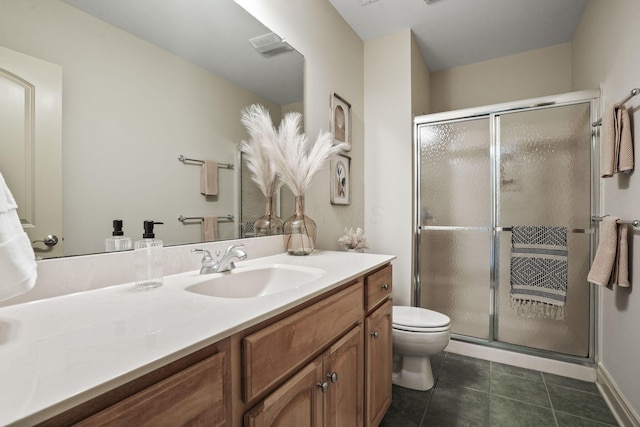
59,352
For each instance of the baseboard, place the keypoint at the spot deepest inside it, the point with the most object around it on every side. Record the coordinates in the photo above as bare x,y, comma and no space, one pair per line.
622,410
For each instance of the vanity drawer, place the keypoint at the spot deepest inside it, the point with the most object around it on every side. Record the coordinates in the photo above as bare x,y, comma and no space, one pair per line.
196,394
282,348
378,287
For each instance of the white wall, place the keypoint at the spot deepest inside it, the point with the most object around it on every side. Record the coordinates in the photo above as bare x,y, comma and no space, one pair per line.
605,51
333,63
388,193
539,72
129,110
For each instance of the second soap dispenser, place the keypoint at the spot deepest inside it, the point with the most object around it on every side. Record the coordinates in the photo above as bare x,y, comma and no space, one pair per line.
148,253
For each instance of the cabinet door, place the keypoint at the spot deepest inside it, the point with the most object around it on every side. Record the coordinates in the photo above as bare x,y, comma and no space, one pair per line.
378,364
344,364
298,402
194,396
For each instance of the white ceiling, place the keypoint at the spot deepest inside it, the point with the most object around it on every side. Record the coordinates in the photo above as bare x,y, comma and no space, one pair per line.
451,33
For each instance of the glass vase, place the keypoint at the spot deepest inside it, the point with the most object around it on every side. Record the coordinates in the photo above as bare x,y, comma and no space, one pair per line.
268,224
299,231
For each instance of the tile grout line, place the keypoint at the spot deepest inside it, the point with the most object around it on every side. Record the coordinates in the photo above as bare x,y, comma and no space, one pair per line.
490,389
553,411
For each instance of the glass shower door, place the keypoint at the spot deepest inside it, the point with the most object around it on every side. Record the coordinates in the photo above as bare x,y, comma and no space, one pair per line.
543,176
455,219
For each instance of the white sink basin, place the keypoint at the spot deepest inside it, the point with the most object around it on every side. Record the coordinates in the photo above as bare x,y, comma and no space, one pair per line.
256,281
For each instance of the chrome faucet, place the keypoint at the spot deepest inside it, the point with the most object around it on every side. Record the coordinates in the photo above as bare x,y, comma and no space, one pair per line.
226,263
220,264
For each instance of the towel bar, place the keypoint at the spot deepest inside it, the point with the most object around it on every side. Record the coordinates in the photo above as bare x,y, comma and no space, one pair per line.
184,159
633,222
183,218
633,93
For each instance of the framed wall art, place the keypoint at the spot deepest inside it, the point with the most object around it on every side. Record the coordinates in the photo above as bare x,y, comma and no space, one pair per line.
341,180
340,120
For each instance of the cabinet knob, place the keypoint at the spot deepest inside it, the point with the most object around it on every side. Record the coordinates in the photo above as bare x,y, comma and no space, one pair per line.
323,386
333,377
375,334
385,287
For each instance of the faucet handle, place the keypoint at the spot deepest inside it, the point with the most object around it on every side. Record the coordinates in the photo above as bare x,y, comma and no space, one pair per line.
207,259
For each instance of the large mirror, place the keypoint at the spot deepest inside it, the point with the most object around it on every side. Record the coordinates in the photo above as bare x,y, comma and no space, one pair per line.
143,83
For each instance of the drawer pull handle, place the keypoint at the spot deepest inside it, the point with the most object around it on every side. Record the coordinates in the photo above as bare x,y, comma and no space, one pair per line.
385,287
333,377
323,386
375,335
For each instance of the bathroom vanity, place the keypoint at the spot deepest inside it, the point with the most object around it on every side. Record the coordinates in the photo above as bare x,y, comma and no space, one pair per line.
315,354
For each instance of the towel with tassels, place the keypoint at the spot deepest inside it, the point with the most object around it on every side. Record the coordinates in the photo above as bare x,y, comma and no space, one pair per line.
539,271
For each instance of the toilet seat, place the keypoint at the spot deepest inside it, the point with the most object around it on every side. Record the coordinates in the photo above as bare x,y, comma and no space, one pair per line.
419,320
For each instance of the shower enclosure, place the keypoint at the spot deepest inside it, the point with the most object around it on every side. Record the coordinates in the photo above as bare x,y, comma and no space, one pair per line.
478,173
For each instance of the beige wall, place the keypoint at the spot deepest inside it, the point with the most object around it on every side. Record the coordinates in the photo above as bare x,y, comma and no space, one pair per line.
605,51
420,82
539,72
333,63
129,110
387,77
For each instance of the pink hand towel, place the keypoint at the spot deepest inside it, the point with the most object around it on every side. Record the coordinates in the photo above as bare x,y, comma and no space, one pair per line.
210,229
209,178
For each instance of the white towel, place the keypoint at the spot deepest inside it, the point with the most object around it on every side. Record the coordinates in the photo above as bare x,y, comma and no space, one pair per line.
210,229
209,178
18,268
7,202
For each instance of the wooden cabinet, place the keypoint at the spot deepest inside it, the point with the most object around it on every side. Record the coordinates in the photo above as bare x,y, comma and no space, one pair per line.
298,402
378,363
325,392
193,396
379,345
325,363
344,340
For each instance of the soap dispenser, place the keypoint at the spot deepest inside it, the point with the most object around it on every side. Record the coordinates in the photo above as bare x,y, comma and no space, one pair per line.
148,253
118,241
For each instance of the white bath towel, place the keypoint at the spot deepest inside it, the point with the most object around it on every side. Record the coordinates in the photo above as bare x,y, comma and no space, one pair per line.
210,229
209,178
18,268
7,202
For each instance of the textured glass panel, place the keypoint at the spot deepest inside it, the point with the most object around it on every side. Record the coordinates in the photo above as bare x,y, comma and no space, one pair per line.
569,336
454,273
454,173
544,164
544,179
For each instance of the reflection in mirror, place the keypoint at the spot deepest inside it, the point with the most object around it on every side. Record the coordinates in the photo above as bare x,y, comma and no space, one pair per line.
142,83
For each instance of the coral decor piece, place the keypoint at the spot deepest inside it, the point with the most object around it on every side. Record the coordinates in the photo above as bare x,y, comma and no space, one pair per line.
353,240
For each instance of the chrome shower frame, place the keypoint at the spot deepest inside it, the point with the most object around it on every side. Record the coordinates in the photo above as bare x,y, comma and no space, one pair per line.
491,111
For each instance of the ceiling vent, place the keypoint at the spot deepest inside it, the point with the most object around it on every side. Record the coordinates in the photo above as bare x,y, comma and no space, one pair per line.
270,44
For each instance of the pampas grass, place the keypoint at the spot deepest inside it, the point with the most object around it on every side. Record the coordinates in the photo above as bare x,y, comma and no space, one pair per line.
262,138
294,160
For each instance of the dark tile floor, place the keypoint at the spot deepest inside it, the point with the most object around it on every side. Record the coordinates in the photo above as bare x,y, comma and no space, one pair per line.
474,392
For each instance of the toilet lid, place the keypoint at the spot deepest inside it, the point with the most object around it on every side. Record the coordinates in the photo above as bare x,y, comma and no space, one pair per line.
418,318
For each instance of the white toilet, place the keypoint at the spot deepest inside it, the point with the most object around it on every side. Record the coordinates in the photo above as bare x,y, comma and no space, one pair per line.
417,335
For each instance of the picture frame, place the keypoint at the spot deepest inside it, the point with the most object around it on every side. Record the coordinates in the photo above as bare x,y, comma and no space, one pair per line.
340,120
340,180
